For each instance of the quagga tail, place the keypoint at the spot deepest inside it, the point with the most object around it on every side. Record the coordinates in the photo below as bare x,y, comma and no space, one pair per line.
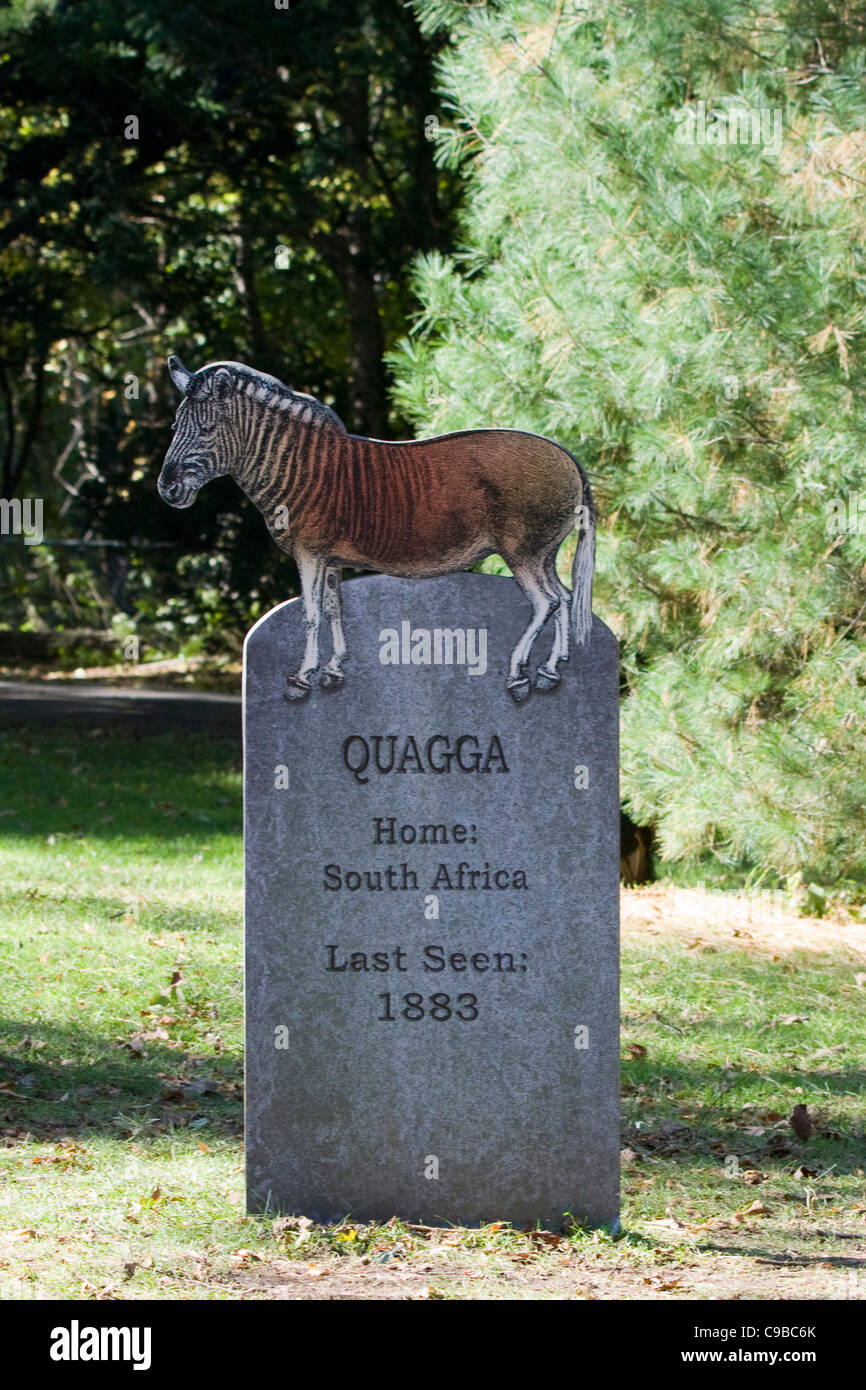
583,569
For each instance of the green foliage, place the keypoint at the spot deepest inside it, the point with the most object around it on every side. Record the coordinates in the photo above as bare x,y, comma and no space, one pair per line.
267,209
687,318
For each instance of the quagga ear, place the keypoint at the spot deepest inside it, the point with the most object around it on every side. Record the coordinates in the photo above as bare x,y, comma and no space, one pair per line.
179,374
222,384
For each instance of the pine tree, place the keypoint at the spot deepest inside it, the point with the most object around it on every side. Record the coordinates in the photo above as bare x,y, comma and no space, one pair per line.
663,268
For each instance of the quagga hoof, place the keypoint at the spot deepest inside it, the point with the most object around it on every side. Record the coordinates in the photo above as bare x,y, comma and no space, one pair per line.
296,689
546,679
331,680
519,689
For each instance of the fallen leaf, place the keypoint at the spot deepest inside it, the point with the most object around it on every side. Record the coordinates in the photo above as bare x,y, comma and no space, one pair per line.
669,1223
636,1052
784,1020
753,1176
243,1257
136,1043
544,1238
283,1225
200,1087
756,1209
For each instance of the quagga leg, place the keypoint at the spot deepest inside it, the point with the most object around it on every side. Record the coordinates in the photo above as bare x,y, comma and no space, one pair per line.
312,572
332,603
547,676
534,583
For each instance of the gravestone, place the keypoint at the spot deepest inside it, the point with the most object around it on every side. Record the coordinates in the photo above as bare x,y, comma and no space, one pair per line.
431,919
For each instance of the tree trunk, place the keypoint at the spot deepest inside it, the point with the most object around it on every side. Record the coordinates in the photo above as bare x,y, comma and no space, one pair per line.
259,344
635,851
368,413
369,401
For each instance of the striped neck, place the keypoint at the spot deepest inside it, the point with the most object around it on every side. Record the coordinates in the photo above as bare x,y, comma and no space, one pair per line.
277,440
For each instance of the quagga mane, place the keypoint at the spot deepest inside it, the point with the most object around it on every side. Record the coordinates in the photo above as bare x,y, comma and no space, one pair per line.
413,508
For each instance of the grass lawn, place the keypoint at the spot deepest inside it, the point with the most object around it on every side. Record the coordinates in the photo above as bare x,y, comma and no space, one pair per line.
121,1172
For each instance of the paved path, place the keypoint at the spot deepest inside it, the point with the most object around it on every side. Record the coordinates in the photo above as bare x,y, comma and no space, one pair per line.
85,704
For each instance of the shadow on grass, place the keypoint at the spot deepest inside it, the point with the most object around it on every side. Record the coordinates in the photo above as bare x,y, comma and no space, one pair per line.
768,1257
121,912
721,1128
80,1082
767,1254
74,1082
107,786
676,1076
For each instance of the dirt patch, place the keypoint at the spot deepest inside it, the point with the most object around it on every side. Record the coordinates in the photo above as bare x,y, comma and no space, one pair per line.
711,1276
748,922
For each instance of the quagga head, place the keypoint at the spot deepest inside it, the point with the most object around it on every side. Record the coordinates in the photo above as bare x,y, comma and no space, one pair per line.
206,442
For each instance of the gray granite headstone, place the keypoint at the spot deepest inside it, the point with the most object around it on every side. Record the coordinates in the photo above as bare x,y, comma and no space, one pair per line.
424,1040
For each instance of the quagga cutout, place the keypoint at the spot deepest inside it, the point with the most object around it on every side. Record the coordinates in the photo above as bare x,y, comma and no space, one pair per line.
412,509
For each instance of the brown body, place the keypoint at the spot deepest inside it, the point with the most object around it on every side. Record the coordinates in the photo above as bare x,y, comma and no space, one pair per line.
433,506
